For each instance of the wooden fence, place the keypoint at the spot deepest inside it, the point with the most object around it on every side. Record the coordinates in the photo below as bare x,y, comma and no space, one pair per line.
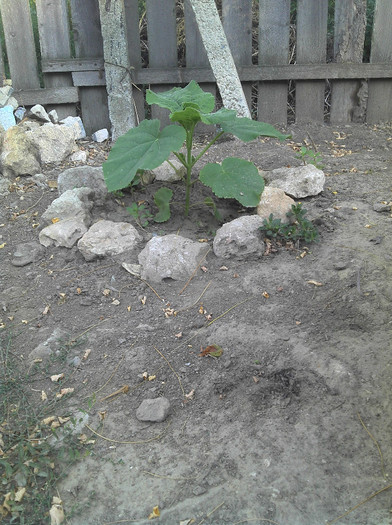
279,60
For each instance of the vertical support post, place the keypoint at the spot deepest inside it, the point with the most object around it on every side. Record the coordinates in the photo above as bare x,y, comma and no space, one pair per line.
117,66
220,57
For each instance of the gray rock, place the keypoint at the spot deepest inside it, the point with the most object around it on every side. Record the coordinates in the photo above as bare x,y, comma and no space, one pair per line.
26,253
5,93
7,118
100,135
53,116
84,176
239,238
299,182
275,201
76,124
155,410
170,256
39,113
50,346
72,204
106,238
20,114
78,156
64,233
19,157
53,143
166,173
379,207
4,186
13,102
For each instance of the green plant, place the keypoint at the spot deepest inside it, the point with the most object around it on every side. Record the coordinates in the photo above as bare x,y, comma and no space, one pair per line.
147,146
140,213
298,228
308,156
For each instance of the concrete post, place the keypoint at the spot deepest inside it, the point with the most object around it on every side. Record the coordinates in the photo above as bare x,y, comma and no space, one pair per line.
117,66
220,57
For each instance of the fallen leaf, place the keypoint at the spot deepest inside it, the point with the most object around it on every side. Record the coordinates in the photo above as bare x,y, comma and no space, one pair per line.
49,420
155,513
46,310
298,323
106,292
223,268
145,375
191,394
56,514
201,310
56,377
63,420
24,321
212,350
151,378
316,283
209,317
11,317
204,269
143,300
202,240
3,244
102,414
256,379
55,219
78,291
115,302
265,294
129,308
86,354
19,494
44,397
55,424
368,225
169,312
179,335
63,392
52,183
235,275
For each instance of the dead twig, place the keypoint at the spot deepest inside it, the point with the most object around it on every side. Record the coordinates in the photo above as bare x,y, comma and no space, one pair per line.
141,442
123,390
172,369
375,442
194,273
210,513
359,504
197,300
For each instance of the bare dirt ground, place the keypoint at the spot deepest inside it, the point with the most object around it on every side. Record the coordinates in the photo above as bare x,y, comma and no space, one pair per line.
292,424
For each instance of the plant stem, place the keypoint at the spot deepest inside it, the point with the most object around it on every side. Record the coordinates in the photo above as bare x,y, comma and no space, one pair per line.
189,164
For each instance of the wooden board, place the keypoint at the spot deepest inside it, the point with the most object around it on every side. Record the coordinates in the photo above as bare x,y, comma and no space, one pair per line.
350,26
312,18
196,56
30,97
162,45
134,51
184,75
274,34
379,107
86,27
237,24
53,28
19,41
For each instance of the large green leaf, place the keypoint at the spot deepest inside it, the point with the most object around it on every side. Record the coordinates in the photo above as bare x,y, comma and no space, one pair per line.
234,179
144,147
176,98
243,128
162,199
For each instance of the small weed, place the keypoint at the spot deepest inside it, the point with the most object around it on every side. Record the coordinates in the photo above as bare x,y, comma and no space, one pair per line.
33,458
299,228
140,213
308,156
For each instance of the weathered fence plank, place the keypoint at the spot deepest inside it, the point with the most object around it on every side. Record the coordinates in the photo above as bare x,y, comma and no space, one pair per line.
162,45
88,43
237,23
134,52
19,42
350,26
53,28
274,35
380,91
117,67
29,97
196,56
312,18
